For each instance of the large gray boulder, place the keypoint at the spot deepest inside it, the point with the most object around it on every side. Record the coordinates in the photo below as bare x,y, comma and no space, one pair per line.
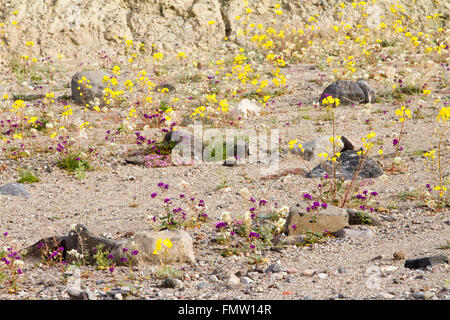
86,92
349,92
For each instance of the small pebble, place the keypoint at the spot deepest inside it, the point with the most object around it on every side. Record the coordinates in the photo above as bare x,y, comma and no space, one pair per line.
399,255
322,275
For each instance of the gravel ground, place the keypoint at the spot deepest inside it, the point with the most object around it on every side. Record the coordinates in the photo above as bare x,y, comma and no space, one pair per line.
101,201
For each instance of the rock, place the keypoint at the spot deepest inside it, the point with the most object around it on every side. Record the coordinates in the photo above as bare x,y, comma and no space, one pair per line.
86,92
388,269
274,268
384,295
73,286
118,296
145,244
202,285
241,273
341,270
351,234
172,283
221,273
14,189
419,295
356,217
164,87
247,108
124,291
322,275
347,165
84,242
399,255
35,251
425,262
332,219
428,295
321,145
308,273
349,92
213,279
136,160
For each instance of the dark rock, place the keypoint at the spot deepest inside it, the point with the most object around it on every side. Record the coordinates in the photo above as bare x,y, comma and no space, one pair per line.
44,246
349,92
351,234
425,262
341,270
347,165
14,189
241,273
202,285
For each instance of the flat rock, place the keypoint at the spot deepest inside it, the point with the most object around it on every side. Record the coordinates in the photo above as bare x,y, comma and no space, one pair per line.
347,165
399,255
351,234
172,283
349,92
425,262
14,189
321,145
332,219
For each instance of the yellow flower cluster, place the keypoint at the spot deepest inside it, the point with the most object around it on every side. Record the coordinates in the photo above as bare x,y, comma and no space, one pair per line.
167,243
403,114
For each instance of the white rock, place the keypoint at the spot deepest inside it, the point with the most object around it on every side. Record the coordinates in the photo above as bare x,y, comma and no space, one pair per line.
322,275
